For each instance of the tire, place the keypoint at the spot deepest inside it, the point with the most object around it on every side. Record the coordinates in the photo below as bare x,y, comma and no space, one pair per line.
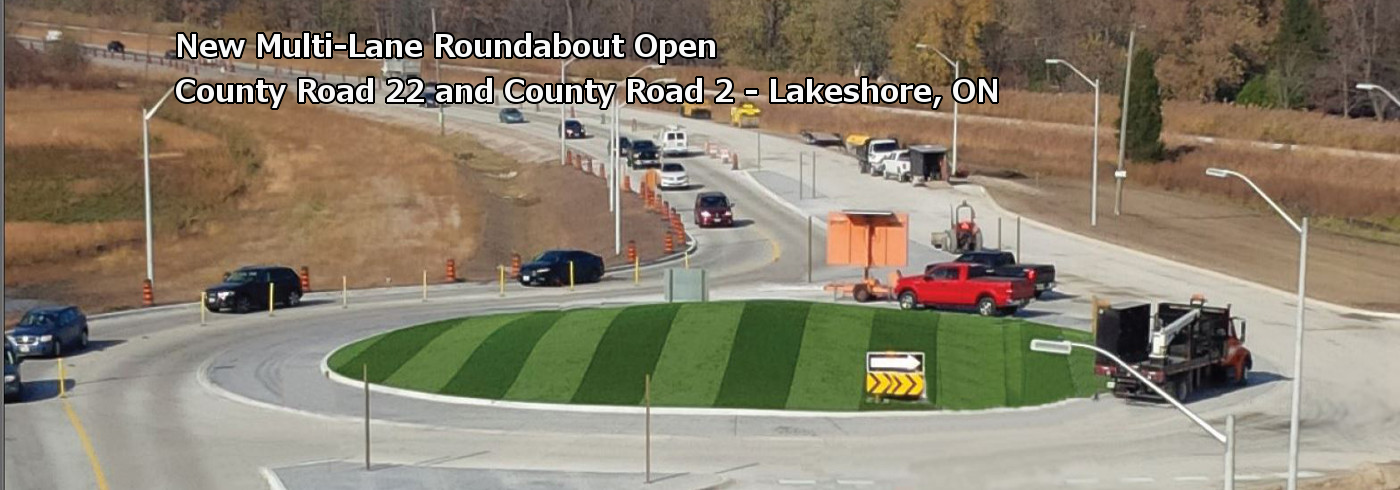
908,301
294,298
1244,372
986,306
242,305
83,339
861,294
57,347
1181,390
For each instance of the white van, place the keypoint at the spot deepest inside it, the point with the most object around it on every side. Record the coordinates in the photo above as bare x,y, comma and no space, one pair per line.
673,141
53,36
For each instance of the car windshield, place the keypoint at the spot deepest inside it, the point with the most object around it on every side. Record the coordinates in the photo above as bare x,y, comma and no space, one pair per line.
550,256
510,112
643,145
646,154
239,277
886,146
672,167
32,319
713,201
573,124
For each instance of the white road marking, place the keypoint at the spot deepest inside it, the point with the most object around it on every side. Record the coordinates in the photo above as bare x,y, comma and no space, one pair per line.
1191,478
797,482
1249,477
1305,474
1082,481
855,482
1138,479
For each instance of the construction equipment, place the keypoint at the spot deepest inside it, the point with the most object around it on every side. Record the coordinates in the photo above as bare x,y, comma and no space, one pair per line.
744,115
1182,348
696,111
963,235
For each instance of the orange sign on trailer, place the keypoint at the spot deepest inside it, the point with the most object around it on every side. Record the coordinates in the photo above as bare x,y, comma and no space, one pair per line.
867,238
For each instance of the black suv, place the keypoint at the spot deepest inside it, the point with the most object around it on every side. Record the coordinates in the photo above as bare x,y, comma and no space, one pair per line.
246,288
552,268
47,331
573,129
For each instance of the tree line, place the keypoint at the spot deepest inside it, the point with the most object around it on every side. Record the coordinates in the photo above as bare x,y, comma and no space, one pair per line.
1301,54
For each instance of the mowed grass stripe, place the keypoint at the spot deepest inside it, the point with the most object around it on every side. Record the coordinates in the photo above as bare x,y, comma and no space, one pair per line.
692,363
556,366
626,354
971,363
1014,354
496,363
393,350
831,366
764,356
910,331
439,360
341,359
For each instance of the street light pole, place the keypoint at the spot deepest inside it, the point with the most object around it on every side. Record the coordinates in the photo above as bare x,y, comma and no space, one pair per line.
1094,172
1063,347
957,73
615,162
146,115
1302,229
1119,175
442,117
563,70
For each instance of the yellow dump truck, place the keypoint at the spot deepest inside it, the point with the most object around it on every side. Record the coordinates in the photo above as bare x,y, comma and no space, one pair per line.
744,115
696,111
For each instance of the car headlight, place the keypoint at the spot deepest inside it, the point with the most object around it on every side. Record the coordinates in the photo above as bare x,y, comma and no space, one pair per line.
728,213
223,294
705,214
45,338
9,378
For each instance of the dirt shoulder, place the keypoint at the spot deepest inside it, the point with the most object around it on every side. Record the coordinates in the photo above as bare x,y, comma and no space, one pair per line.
1250,243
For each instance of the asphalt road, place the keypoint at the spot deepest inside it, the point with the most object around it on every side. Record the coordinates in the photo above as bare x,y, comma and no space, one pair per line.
166,403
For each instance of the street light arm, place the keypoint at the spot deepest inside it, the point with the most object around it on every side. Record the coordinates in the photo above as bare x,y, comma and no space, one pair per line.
1189,414
950,61
1386,92
1077,72
147,114
1271,202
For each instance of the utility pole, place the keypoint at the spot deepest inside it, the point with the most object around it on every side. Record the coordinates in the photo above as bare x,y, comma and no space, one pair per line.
1119,175
442,117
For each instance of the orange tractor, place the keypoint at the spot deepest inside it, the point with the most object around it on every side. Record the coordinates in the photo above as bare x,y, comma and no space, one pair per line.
963,235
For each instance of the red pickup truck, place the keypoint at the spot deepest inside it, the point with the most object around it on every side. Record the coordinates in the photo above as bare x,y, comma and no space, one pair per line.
960,285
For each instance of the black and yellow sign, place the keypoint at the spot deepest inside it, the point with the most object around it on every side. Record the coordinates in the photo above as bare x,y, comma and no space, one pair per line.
894,374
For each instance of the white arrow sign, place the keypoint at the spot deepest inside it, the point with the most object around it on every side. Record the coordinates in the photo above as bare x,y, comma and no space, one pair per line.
907,362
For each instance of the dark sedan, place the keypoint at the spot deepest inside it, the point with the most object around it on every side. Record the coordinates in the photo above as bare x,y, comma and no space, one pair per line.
552,268
511,115
49,331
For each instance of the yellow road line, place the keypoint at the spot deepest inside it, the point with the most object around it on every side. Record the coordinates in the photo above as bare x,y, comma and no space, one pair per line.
777,250
87,446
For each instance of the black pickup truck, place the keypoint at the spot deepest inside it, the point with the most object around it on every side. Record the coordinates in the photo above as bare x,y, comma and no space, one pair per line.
1001,263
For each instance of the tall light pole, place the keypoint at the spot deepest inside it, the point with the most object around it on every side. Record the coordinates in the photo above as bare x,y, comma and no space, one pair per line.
1371,86
957,73
146,170
563,70
1063,347
442,118
1094,183
615,166
1120,174
1298,335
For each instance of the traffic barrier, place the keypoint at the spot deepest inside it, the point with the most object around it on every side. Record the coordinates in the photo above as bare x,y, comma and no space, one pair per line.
569,157
626,183
451,270
709,149
147,297
305,276
670,244
514,265
724,153
734,162
631,250
588,165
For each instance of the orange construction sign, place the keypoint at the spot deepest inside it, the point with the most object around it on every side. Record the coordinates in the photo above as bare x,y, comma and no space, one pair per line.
867,238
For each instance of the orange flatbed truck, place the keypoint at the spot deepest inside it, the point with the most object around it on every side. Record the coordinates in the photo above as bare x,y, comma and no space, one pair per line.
1183,348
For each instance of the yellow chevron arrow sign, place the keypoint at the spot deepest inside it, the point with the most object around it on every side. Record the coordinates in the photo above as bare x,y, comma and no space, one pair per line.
895,374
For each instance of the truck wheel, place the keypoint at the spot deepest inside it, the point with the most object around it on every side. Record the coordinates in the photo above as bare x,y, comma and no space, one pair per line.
907,301
242,305
986,306
1244,373
1181,390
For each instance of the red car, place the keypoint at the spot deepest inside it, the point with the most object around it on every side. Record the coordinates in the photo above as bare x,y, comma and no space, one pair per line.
956,285
713,209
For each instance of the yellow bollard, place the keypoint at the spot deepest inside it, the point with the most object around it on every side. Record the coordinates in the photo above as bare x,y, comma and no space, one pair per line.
344,293
687,258
571,275
270,302
636,271
502,270
203,297
62,380
425,285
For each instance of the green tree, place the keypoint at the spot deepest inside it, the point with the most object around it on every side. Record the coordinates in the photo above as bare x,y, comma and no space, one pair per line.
1297,50
749,32
1144,136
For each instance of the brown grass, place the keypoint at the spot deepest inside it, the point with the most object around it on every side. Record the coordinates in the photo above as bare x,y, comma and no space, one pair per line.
29,242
